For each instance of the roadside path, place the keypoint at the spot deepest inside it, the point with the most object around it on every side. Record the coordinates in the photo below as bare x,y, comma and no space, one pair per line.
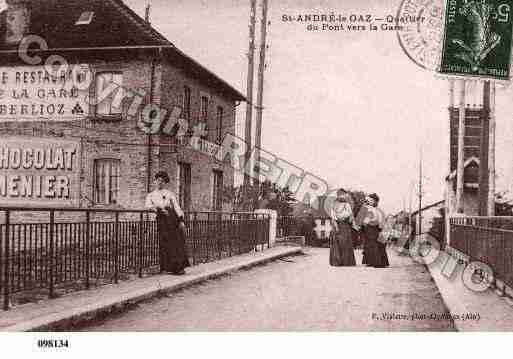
300,293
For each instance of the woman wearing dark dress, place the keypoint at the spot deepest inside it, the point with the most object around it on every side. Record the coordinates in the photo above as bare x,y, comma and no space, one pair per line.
360,218
375,254
171,227
342,220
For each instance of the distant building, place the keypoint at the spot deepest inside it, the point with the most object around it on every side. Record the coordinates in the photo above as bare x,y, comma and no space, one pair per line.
471,201
428,214
475,150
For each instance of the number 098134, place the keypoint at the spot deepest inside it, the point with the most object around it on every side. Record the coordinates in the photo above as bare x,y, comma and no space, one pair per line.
52,343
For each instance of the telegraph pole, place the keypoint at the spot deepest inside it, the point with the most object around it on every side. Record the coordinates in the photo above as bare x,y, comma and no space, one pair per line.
410,193
461,153
420,193
261,73
483,152
147,12
249,105
448,186
491,155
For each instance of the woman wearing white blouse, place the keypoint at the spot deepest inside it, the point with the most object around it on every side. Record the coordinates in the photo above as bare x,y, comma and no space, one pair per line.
171,227
342,219
374,252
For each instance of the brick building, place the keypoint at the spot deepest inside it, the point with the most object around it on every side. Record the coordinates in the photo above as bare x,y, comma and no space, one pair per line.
475,149
64,143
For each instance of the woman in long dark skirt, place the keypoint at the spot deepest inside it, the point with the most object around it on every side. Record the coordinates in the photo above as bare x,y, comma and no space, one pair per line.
171,227
375,254
360,218
341,245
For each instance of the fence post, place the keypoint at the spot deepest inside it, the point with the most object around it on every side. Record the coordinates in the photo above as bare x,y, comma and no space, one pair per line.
254,218
504,259
240,233
268,232
116,248
140,245
6,261
194,236
51,254
204,230
447,233
88,249
218,228
231,227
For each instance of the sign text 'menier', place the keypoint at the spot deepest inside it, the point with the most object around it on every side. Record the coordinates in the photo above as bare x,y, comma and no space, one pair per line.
40,172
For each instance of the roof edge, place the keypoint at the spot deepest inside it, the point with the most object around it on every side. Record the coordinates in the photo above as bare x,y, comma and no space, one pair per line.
140,21
429,206
467,162
143,23
238,96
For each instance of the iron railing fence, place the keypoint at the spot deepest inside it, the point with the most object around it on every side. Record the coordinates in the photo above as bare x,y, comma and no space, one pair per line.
498,222
486,239
78,246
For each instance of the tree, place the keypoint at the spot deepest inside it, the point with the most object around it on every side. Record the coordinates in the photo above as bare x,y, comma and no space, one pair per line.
284,201
248,198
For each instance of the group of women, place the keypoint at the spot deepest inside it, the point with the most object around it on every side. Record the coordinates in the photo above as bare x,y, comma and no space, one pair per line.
368,224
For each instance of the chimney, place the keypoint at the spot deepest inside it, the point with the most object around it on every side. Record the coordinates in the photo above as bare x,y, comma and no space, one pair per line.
147,13
17,20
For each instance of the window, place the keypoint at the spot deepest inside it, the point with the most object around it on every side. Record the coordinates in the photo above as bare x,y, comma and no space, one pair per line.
106,181
187,103
204,108
184,186
85,18
109,93
220,114
217,192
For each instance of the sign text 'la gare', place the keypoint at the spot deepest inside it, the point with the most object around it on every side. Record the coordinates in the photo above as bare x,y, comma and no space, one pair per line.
32,93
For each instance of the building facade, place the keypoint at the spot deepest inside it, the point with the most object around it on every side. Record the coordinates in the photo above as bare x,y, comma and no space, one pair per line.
428,215
83,135
475,153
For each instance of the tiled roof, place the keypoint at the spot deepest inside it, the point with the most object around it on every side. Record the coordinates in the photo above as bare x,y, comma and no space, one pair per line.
114,25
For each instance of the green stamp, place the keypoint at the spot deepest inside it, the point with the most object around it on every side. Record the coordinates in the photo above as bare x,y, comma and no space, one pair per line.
477,38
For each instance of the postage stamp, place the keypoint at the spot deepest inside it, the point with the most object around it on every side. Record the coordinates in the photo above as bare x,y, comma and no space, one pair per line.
477,39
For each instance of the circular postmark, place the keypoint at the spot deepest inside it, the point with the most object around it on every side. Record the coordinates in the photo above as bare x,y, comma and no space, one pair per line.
420,31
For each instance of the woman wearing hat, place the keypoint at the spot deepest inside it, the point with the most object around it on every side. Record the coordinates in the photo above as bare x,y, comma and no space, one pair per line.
171,227
373,221
341,246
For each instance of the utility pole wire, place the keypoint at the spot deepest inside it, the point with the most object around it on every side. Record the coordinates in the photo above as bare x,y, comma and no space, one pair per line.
147,12
261,75
420,192
249,95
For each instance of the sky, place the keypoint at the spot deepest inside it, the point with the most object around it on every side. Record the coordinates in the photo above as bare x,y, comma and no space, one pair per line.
350,107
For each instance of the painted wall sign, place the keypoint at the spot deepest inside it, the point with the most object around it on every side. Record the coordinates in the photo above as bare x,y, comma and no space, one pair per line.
39,172
30,93
477,38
